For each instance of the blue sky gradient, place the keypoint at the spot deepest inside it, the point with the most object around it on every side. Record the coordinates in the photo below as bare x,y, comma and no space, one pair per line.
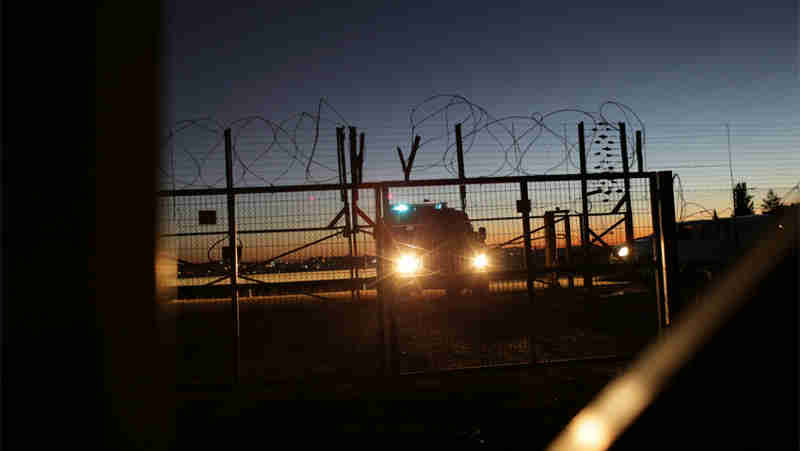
685,68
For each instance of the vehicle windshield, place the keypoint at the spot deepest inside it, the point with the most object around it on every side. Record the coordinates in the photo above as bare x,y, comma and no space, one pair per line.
428,229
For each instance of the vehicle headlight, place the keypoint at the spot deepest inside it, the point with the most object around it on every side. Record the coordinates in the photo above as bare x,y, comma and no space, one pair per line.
408,264
480,261
623,252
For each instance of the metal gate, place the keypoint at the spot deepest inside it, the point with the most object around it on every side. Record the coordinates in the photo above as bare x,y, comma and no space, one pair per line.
313,289
305,282
557,287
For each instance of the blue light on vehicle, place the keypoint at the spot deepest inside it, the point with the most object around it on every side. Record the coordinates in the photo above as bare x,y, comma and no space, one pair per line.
439,206
400,208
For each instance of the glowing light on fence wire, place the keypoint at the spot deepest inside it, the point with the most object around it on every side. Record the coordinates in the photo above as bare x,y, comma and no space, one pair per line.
480,261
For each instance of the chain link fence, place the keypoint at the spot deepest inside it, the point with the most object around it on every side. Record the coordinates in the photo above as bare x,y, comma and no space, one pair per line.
312,289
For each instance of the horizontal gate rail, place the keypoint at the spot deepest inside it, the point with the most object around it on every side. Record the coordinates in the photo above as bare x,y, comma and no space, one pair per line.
436,323
402,183
246,232
249,265
176,235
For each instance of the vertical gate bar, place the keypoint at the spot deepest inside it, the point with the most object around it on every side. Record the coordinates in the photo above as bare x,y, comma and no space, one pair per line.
568,250
342,182
550,248
360,180
623,145
549,238
524,207
388,292
655,248
393,347
460,154
234,262
354,199
587,276
380,274
669,252
340,161
639,161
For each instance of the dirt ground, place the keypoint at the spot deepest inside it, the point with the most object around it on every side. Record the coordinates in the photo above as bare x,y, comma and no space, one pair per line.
433,332
511,408
314,366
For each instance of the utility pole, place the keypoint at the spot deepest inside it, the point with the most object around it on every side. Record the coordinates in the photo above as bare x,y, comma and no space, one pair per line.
730,162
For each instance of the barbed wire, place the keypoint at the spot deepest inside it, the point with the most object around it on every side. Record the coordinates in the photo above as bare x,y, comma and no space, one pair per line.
266,152
479,120
280,140
283,147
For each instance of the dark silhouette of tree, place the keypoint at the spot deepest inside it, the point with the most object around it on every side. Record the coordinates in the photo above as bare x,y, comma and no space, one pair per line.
742,201
771,203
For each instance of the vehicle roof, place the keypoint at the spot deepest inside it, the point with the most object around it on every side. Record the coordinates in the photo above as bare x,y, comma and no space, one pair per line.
426,212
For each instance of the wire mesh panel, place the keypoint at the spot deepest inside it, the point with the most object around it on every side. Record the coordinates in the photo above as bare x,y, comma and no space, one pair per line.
616,315
439,328
194,229
298,312
493,207
364,242
301,313
456,287
294,243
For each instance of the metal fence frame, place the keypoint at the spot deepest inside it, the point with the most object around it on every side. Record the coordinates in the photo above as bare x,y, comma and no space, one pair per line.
661,211
663,220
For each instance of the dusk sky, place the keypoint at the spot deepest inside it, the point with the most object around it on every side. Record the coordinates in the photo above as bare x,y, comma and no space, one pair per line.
685,68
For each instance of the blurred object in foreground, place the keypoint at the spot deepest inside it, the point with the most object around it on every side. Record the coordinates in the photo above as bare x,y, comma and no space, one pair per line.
736,358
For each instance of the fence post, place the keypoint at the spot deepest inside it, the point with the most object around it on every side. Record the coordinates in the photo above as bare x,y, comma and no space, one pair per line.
234,253
587,275
346,205
550,249
380,290
623,145
388,338
354,171
524,207
639,162
568,250
460,154
669,253
657,258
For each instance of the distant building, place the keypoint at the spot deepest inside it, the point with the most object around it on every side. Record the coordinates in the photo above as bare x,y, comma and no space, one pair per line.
707,242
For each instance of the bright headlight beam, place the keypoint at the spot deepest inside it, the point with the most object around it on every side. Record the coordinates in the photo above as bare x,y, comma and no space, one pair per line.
623,251
624,399
480,261
408,264
400,208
